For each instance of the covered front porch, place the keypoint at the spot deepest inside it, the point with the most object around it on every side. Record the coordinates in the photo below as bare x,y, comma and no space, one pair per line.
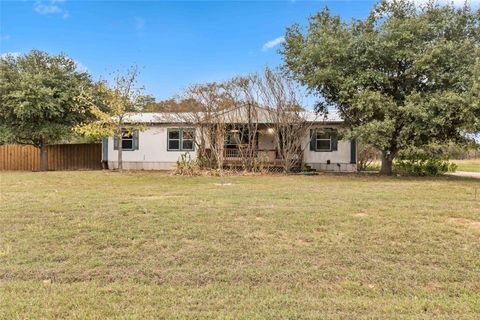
261,145
234,156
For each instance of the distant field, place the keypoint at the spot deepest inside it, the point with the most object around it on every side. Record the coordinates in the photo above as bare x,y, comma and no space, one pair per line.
468,165
463,165
149,245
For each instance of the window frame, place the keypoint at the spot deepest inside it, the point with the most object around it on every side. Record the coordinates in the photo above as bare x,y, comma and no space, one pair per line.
180,139
315,135
317,139
124,131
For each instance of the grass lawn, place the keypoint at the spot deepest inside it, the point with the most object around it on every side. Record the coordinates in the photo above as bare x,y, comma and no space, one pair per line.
468,165
149,245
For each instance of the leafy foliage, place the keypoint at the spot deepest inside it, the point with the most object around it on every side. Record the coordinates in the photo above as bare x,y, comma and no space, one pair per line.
37,98
186,166
113,108
451,150
418,163
173,105
403,76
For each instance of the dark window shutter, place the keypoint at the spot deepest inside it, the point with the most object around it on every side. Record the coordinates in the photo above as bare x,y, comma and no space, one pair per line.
353,151
115,143
334,137
313,142
135,140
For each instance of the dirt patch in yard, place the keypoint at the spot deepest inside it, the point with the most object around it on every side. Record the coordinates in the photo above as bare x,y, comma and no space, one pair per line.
465,222
361,214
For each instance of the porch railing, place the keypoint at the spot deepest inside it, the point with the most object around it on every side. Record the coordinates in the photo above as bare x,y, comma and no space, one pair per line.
231,153
238,153
271,155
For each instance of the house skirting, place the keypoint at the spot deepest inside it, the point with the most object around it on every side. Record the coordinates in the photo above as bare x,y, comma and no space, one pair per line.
143,165
335,167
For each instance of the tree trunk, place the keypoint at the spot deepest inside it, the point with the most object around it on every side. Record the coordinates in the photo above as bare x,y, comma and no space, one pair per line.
387,163
286,166
120,153
43,157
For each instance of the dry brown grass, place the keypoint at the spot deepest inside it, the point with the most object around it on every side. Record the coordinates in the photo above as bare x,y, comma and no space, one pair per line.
152,245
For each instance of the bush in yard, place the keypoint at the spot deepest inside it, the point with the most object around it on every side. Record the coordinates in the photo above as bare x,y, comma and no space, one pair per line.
451,150
421,163
367,156
186,166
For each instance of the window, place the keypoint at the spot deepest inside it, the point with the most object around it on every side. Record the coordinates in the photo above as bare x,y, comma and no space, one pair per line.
181,139
127,140
187,139
233,138
323,141
236,137
174,139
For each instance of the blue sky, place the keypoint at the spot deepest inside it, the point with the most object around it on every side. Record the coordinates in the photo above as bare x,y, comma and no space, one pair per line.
174,43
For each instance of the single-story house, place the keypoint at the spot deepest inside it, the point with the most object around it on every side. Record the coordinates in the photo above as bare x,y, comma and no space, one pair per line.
167,136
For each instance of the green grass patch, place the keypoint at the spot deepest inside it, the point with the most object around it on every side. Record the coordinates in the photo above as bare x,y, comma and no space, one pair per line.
149,245
468,165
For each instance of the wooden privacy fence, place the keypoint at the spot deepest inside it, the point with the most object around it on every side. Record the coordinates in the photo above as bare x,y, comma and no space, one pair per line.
60,157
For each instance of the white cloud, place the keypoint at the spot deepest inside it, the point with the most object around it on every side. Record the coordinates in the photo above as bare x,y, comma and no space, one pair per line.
272,43
139,23
51,7
4,37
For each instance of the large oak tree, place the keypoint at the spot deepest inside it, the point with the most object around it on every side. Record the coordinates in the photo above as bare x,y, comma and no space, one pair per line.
403,76
37,99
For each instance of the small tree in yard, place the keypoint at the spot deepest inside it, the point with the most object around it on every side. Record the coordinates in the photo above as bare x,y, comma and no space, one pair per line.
475,100
401,77
114,112
37,99
208,102
244,117
367,154
286,116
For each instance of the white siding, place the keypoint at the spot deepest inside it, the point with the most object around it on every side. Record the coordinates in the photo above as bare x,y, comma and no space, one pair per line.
152,151
153,155
342,155
339,159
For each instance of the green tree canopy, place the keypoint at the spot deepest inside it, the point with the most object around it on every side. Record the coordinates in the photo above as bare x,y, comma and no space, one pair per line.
403,76
173,105
37,98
